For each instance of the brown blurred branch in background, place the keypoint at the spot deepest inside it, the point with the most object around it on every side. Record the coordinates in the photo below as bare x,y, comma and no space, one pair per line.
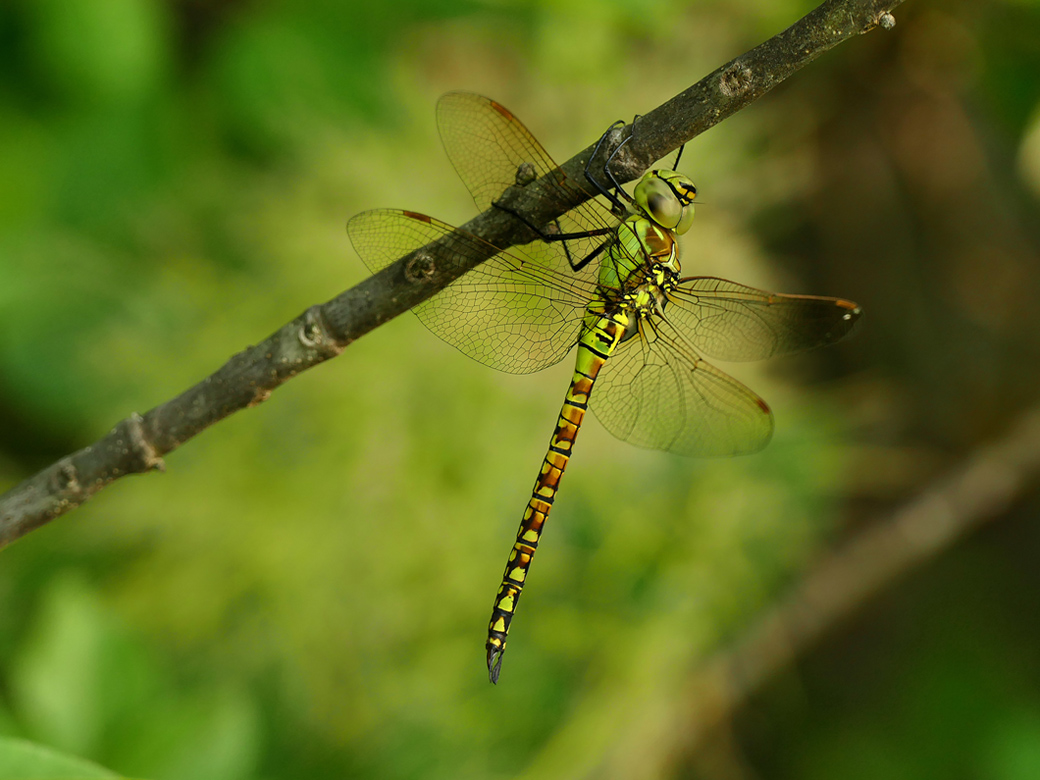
137,444
980,490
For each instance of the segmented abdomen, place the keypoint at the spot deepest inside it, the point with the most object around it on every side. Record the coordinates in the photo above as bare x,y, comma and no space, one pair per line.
596,344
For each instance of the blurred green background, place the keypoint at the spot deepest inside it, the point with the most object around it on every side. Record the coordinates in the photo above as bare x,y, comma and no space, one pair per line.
305,592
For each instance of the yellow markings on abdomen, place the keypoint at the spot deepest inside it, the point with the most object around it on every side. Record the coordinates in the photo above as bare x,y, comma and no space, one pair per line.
593,350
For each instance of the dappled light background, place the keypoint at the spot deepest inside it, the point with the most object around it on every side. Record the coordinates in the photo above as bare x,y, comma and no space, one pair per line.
305,592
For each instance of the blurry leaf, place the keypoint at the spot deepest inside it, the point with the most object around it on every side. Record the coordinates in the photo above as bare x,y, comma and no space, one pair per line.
80,683
1011,51
26,162
21,760
107,51
1014,752
1029,153
199,734
109,160
54,680
53,295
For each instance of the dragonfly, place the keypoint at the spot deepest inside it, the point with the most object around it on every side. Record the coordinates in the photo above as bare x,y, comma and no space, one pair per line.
606,278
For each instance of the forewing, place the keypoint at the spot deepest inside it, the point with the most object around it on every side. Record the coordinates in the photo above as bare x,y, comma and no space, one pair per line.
655,392
488,147
730,321
511,312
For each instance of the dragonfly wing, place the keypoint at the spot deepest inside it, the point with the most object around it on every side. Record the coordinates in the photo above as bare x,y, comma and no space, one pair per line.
487,145
656,392
510,312
730,321
492,150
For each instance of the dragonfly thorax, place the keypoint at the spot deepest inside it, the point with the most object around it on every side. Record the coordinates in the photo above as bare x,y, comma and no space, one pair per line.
641,245
666,198
645,301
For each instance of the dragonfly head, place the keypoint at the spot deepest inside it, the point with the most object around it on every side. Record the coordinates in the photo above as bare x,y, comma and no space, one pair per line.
666,197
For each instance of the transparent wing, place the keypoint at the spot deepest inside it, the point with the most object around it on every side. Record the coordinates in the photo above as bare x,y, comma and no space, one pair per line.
513,312
729,321
492,150
656,392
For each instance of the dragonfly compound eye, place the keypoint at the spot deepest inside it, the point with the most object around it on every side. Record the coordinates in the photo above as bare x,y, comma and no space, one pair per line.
685,221
658,201
684,191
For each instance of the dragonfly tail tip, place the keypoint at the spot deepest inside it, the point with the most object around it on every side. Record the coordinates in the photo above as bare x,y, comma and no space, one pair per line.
494,664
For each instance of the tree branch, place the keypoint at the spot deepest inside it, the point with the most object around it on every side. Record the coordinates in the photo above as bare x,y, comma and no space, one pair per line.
138,443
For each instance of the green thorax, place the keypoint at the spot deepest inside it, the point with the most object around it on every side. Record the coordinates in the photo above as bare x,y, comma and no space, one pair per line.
640,245
662,208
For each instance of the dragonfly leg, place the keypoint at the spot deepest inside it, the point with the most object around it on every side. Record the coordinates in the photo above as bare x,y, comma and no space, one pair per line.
566,249
613,197
510,210
606,166
589,257
609,174
678,157
559,235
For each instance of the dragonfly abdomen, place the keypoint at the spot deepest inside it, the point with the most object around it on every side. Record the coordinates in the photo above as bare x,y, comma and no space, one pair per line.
596,344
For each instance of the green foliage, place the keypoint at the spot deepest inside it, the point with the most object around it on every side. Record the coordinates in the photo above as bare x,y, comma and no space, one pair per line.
79,683
21,760
304,592
947,688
